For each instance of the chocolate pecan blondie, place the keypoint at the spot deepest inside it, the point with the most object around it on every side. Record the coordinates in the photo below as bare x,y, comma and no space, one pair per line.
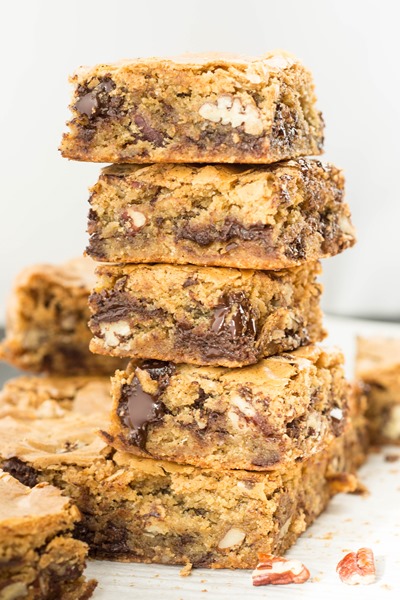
141,509
194,108
47,321
204,315
39,559
283,409
378,366
271,217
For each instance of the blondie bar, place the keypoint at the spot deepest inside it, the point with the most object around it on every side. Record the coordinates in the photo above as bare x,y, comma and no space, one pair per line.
378,366
195,108
282,410
271,217
47,321
141,509
39,559
203,315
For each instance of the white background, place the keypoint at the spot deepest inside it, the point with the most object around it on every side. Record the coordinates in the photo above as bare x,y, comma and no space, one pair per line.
352,46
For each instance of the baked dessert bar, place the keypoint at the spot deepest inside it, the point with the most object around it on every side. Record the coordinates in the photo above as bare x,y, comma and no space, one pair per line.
194,108
27,397
141,509
39,559
272,217
47,321
378,366
203,315
281,410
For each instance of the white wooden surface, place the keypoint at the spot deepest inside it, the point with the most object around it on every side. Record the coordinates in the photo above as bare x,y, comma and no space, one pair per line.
349,523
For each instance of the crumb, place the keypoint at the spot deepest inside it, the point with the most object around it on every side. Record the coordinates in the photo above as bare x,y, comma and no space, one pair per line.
327,536
316,579
394,471
186,570
204,590
375,449
361,490
391,458
386,586
155,576
348,520
203,580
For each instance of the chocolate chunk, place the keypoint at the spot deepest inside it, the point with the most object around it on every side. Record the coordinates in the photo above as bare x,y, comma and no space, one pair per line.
284,128
148,133
157,369
97,101
21,471
230,229
115,305
189,281
137,410
241,321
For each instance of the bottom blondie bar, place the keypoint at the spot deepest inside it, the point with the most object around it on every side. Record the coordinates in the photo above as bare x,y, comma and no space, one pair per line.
146,510
378,366
39,559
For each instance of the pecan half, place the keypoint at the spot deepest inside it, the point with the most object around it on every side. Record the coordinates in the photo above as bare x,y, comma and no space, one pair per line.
276,570
357,567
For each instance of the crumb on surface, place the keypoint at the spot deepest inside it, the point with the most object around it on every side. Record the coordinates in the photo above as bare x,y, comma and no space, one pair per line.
186,570
390,458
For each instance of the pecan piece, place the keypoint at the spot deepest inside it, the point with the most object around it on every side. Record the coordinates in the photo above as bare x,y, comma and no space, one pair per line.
276,570
357,567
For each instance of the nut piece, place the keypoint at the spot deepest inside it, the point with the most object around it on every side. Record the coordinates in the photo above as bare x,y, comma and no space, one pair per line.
230,110
276,570
357,567
233,537
136,218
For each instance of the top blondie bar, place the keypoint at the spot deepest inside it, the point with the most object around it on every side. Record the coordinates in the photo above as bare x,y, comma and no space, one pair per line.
214,108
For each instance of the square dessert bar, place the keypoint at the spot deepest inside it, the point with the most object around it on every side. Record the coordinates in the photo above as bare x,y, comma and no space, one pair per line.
145,510
46,329
378,366
204,315
39,559
194,108
271,217
281,410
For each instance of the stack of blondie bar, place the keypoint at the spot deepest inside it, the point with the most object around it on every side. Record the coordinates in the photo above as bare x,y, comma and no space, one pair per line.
230,427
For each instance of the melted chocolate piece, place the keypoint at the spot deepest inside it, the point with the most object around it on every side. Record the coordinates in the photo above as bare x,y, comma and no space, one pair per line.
284,128
137,410
97,102
230,229
158,370
115,305
241,321
21,471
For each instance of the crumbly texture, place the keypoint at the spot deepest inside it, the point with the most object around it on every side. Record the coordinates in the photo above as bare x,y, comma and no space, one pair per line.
196,108
30,397
284,409
204,315
46,329
140,509
39,559
378,366
271,217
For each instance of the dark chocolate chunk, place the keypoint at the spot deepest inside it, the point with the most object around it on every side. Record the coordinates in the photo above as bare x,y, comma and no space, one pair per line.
230,229
116,304
97,102
148,133
21,471
284,128
157,369
241,321
137,410
189,281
